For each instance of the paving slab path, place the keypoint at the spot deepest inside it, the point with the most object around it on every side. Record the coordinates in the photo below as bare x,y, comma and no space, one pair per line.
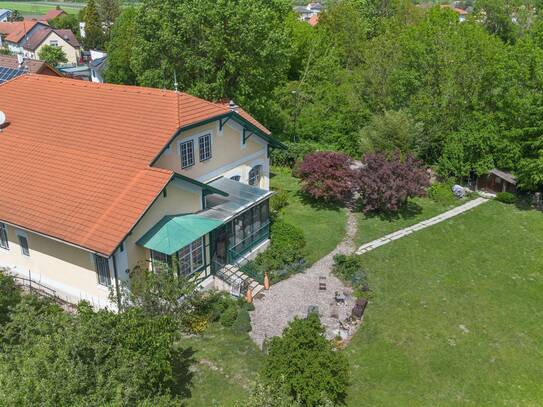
421,225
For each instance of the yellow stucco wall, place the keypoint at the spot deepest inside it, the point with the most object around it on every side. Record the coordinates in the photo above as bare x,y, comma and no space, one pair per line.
70,270
72,54
180,198
228,153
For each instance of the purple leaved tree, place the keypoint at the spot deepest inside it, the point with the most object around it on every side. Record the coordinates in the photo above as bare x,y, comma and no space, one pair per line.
385,183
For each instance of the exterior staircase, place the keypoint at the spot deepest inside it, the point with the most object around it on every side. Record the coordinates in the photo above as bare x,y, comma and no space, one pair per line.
239,282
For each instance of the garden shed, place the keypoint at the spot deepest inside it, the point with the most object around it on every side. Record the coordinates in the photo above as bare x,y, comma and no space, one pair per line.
497,181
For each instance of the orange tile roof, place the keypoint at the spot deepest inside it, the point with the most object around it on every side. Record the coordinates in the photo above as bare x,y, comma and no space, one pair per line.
52,14
75,155
15,31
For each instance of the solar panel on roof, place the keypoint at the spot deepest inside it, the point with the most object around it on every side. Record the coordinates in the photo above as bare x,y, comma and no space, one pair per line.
9,73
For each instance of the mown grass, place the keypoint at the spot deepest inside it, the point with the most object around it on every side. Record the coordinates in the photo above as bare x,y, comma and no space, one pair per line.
456,318
39,8
323,226
371,227
225,367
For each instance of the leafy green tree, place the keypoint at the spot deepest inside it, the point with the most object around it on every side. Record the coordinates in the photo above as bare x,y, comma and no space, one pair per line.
66,21
94,35
52,55
119,49
53,358
10,296
108,11
236,49
391,131
304,365
16,16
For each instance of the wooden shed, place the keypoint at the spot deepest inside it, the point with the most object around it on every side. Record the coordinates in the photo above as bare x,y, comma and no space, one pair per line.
497,181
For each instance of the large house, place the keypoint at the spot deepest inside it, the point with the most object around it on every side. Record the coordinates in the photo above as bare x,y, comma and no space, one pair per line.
13,35
100,178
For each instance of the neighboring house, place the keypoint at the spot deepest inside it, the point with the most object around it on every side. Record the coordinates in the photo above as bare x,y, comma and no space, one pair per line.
97,67
462,14
497,181
52,14
4,15
14,34
305,13
62,38
11,68
98,178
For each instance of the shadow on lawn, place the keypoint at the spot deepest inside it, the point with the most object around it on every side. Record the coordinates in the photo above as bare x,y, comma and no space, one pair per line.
182,373
410,210
306,199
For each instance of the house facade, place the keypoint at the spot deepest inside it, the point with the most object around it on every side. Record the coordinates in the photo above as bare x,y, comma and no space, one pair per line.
146,178
63,39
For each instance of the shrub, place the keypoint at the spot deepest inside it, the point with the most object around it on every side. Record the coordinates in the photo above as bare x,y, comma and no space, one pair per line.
242,323
350,269
10,296
279,201
326,176
506,197
304,365
293,153
386,183
229,316
441,193
287,240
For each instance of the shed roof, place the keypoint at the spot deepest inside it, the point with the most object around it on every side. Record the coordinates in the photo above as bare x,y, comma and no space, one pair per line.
504,175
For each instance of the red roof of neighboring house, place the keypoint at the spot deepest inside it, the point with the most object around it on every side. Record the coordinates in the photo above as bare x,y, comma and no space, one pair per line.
15,31
455,9
314,20
52,14
76,155
33,65
38,37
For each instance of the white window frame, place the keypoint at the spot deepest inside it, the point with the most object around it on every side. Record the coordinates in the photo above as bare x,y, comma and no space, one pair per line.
53,43
202,149
4,242
98,270
181,144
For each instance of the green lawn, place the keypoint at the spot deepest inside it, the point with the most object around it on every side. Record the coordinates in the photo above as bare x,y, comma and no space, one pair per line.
225,367
39,8
324,228
371,227
457,315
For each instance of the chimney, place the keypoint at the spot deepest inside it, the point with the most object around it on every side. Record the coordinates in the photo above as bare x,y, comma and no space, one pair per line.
232,106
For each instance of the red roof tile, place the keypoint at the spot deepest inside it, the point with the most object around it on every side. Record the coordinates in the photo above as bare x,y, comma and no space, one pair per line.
15,31
33,65
52,14
75,155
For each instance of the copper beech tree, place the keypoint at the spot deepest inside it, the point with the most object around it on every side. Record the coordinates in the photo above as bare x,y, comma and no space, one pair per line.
385,183
327,176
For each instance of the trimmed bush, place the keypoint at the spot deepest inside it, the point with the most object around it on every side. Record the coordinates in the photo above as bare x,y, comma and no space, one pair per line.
506,197
327,176
229,316
441,193
304,364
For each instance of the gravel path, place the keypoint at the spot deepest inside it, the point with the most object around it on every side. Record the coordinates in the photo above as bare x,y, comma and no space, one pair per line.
292,297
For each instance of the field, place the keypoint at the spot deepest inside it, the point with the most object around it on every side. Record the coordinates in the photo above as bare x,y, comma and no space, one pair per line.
39,8
456,318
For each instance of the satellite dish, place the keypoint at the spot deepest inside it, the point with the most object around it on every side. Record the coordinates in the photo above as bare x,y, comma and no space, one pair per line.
2,118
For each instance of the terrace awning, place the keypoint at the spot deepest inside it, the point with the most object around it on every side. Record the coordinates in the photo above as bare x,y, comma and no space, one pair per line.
174,232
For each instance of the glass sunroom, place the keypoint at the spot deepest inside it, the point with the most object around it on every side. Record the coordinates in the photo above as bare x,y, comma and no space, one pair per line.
229,228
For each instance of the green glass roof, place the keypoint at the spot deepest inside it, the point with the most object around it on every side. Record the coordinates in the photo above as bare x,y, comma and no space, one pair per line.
174,232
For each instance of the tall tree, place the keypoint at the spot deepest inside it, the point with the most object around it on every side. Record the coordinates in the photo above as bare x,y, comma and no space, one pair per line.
94,35
108,11
52,55
119,49
237,49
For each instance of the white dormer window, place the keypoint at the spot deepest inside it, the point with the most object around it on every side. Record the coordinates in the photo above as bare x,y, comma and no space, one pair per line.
187,153
204,146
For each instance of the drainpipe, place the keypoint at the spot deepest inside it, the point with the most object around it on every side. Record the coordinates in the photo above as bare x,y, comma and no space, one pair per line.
116,283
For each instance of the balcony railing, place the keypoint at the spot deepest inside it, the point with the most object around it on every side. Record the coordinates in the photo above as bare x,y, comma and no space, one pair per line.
247,244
